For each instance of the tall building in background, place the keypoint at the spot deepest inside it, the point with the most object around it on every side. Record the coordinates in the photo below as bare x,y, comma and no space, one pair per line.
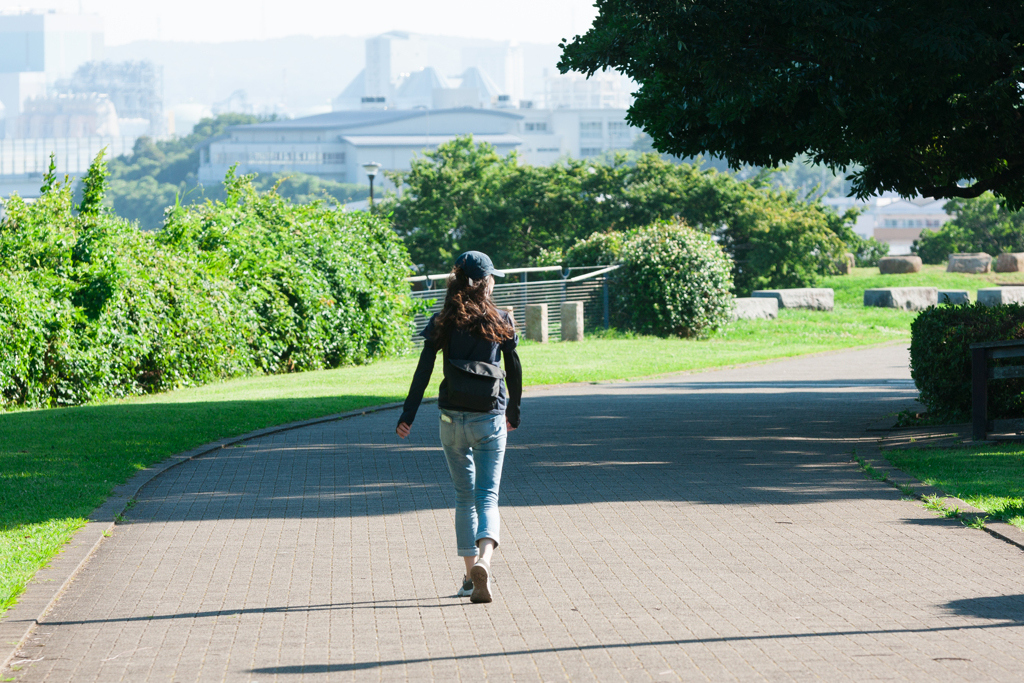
390,58
502,63
409,71
38,49
52,43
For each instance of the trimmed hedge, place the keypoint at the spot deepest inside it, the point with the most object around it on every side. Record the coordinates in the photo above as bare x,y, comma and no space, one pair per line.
940,358
91,307
674,281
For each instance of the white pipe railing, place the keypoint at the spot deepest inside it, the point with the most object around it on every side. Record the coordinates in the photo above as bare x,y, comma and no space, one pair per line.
507,271
593,274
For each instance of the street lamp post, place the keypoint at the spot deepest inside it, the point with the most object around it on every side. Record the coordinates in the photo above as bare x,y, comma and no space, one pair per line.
371,169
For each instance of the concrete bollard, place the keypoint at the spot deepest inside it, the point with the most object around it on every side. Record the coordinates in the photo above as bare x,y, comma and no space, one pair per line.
906,298
997,296
954,296
537,322
815,298
572,321
754,308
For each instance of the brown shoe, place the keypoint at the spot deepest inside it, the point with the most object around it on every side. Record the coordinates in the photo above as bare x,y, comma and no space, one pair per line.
480,574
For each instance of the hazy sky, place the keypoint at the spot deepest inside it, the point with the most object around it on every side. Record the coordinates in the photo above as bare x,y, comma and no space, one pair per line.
542,21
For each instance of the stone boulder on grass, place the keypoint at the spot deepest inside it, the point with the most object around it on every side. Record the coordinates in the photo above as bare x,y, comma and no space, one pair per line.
979,262
896,265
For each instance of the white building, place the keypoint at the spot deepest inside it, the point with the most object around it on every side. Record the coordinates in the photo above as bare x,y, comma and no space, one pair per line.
336,145
549,134
893,220
67,116
603,90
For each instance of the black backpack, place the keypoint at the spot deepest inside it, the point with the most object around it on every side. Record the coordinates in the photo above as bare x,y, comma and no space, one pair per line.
471,384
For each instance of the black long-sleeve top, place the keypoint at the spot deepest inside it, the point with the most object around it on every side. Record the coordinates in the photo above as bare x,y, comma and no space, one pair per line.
464,346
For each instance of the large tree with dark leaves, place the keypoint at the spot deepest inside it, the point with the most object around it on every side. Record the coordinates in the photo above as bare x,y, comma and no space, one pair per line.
924,95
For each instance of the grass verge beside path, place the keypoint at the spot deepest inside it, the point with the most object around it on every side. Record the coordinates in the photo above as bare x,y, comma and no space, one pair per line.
56,466
991,477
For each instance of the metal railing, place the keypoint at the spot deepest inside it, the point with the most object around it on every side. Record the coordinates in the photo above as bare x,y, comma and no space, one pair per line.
591,288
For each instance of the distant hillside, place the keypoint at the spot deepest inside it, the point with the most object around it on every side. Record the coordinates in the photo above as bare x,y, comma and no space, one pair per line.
300,71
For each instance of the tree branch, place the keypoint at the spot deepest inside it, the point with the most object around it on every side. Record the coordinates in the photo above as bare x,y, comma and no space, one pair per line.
978,188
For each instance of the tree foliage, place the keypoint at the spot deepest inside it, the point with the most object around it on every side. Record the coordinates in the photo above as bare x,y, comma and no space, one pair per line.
464,196
982,224
93,307
920,94
93,186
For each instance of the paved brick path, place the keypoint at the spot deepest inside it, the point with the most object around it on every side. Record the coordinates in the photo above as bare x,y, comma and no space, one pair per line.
702,527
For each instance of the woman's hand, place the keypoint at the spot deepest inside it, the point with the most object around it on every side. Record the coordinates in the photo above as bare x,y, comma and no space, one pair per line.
403,429
509,427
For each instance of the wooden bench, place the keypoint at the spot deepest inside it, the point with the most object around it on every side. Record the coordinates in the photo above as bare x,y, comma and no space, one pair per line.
981,373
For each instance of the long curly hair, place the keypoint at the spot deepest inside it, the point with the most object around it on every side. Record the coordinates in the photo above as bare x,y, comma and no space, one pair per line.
468,307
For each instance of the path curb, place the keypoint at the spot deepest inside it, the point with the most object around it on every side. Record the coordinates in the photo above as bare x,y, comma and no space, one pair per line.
50,582
1001,530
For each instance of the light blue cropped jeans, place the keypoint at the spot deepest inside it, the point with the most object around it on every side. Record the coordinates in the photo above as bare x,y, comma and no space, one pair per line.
474,444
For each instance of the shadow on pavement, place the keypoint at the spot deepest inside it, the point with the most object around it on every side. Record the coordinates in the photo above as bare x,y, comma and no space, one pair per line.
683,443
1008,610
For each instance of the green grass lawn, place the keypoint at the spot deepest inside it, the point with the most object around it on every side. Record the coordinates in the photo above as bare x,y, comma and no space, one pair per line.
56,466
990,478
850,288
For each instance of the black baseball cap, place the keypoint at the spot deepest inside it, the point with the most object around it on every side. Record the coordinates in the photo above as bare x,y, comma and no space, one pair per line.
477,265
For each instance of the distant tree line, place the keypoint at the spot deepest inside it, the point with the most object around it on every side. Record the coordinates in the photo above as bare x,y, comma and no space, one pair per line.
465,196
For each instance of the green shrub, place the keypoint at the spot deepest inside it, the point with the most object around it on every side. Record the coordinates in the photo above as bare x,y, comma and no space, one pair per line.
600,249
940,358
867,252
674,281
92,307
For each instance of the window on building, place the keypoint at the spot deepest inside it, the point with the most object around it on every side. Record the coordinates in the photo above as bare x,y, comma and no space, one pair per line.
334,157
536,126
618,129
589,151
590,129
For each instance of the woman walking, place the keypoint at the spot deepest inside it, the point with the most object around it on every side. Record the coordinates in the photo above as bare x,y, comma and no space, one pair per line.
477,409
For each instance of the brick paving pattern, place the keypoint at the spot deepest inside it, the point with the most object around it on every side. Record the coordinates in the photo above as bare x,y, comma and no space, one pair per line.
706,527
